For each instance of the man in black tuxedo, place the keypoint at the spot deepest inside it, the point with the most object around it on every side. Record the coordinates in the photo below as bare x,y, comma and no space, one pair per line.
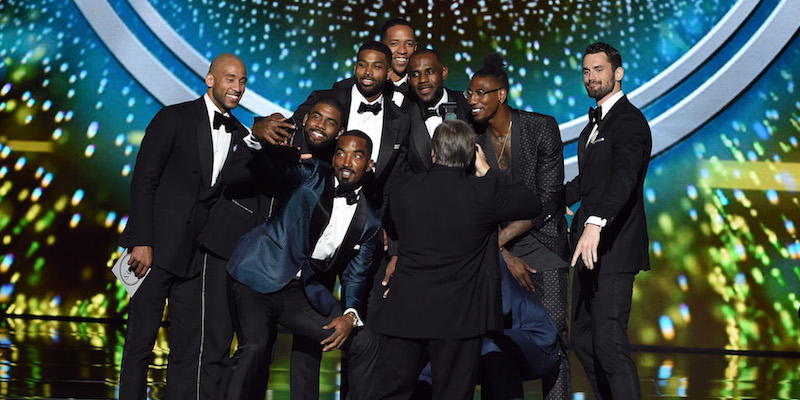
398,34
244,204
609,230
445,292
279,271
367,108
426,76
528,146
175,183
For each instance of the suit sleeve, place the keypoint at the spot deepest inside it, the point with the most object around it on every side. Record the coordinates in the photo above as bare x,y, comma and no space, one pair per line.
513,201
630,152
154,153
550,174
354,276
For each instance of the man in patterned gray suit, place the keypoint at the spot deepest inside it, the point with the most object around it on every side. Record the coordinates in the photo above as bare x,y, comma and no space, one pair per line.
528,146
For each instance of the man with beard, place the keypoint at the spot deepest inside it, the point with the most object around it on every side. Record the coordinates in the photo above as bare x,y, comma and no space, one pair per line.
426,76
609,231
178,176
243,205
366,109
398,34
528,146
323,227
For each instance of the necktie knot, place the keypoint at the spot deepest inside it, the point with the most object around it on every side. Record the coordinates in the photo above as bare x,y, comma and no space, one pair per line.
373,108
429,112
349,195
220,120
595,115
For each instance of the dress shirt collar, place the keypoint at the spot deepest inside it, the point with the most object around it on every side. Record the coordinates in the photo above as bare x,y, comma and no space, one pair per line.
606,106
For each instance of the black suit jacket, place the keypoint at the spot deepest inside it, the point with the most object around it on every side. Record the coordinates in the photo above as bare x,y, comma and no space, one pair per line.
418,158
394,139
609,185
447,280
537,159
171,190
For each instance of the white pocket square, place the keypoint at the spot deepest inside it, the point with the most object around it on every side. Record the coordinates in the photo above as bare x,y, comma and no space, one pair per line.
357,247
598,140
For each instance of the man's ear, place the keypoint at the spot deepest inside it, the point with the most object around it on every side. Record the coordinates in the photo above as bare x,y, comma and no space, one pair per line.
444,72
502,95
339,134
370,165
209,80
619,73
305,119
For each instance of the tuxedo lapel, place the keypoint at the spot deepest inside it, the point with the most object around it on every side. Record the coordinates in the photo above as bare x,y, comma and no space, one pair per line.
422,139
386,150
204,144
354,230
322,212
582,139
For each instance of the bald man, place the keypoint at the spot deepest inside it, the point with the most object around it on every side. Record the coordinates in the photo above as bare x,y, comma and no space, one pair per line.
176,180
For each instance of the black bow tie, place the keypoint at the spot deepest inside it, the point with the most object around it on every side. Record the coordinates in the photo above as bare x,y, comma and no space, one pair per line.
402,88
220,120
373,108
428,112
595,115
350,195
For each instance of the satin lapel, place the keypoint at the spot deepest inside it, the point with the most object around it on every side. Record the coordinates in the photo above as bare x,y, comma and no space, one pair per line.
388,139
516,127
322,212
422,141
204,145
582,139
354,231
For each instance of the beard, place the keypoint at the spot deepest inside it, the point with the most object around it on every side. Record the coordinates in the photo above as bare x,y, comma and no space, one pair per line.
371,91
600,91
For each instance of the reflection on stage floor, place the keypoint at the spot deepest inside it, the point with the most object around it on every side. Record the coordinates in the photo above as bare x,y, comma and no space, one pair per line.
79,359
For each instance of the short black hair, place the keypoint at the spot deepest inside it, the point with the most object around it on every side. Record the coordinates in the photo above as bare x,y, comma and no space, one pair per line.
377,46
494,67
335,104
613,55
420,52
362,135
394,22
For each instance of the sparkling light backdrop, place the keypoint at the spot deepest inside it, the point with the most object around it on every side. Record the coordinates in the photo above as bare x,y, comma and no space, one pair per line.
722,204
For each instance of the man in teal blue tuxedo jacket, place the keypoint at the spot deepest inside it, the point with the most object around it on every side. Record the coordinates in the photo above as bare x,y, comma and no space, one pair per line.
280,272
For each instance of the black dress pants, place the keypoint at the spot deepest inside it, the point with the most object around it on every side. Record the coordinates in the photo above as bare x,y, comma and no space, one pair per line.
454,367
601,306
217,329
255,319
145,312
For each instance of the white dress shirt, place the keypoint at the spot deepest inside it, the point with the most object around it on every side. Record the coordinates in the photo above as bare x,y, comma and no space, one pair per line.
220,139
398,96
367,122
433,122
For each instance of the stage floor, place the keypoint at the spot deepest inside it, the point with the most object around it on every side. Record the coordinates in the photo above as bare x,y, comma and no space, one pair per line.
58,359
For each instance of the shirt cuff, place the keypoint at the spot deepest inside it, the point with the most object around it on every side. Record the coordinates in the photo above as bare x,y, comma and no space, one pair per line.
594,220
251,142
358,323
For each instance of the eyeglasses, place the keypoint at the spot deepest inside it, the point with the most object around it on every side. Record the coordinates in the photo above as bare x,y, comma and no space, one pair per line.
480,92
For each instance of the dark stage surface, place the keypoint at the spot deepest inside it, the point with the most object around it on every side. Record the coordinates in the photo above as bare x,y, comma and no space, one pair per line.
63,359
